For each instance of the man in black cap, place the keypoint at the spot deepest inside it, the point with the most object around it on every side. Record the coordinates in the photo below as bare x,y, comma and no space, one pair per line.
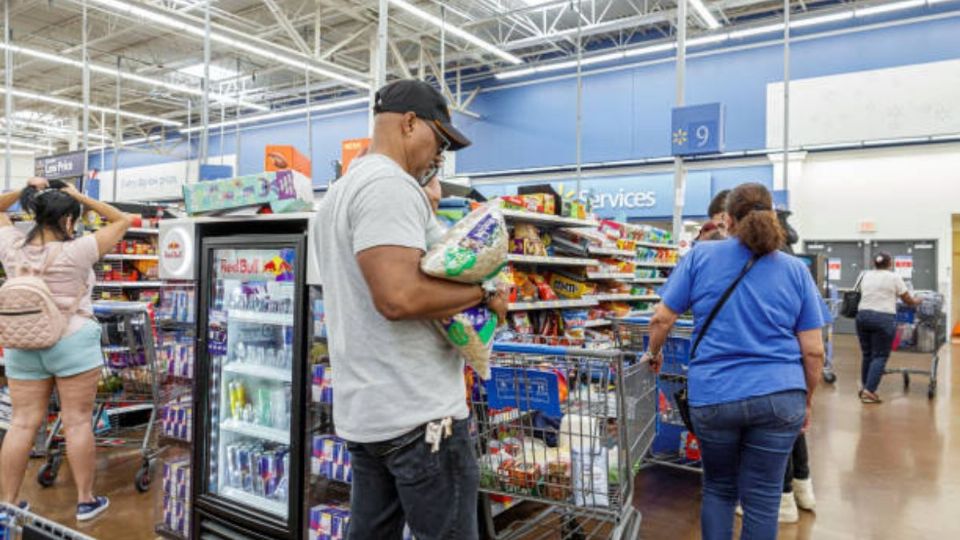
399,391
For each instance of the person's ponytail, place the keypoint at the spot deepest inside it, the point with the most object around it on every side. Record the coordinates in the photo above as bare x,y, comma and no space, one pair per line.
757,226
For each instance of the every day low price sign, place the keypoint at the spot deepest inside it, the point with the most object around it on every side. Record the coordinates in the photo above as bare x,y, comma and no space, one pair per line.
630,197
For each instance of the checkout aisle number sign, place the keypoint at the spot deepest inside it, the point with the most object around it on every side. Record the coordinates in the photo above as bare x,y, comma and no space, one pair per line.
903,264
697,130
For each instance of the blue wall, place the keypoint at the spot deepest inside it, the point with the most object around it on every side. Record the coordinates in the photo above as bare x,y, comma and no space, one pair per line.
626,113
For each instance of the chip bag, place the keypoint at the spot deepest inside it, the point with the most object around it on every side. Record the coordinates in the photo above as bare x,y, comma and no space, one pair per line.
473,250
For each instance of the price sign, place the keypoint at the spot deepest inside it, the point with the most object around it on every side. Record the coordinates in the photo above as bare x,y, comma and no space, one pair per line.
697,130
834,266
903,265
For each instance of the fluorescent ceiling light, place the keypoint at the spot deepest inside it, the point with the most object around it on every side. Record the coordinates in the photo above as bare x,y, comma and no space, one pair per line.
97,68
650,49
217,73
18,152
704,13
756,31
887,8
291,60
452,29
823,19
24,144
76,105
280,114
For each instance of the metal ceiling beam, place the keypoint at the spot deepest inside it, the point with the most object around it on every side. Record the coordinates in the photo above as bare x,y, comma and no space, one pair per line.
284,23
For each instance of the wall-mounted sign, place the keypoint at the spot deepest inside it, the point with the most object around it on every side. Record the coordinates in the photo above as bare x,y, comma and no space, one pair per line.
697,130
350,149
834,265
631,197
59,166
903,265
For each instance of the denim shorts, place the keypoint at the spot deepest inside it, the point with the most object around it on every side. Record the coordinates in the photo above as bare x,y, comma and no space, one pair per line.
75,354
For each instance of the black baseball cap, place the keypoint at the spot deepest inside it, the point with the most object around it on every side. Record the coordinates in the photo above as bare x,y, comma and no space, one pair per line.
418,97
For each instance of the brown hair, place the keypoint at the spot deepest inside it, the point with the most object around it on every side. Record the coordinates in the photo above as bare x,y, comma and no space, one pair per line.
757,226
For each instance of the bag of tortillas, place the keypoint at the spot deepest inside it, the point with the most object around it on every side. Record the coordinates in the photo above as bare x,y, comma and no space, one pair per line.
472,251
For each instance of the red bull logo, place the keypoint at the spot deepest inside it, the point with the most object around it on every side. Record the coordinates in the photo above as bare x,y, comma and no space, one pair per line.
277,266
173,250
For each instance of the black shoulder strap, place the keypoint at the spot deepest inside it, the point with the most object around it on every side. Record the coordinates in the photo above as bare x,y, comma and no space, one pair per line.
720,303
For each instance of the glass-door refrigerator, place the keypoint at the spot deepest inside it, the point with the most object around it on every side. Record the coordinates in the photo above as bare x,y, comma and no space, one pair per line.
249,469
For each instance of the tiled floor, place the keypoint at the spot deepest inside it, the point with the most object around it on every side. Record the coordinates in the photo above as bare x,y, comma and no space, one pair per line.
889,471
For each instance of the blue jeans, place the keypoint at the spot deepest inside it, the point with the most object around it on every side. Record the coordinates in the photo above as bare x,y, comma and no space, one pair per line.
876,332
744,446
403,480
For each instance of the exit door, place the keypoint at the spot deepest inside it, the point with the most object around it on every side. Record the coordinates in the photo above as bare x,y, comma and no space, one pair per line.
852,256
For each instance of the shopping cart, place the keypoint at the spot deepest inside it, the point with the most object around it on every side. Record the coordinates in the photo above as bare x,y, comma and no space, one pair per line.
832,299
921,330
674,446
16,523
127,395
562,428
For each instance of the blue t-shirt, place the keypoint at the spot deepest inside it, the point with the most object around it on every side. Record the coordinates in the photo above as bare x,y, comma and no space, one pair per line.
751,348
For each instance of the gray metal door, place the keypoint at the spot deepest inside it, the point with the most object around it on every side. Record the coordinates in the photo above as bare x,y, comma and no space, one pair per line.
924,254
852,255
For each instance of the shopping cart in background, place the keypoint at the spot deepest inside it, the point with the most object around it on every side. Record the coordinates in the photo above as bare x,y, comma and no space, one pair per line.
127,395
559,431
674,445
16,523
921,330
832,300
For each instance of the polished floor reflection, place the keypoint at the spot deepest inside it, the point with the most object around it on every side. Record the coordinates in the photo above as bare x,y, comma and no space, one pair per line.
888,471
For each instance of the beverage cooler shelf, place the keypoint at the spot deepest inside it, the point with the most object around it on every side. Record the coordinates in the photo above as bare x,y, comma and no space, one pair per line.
258,432
273,507
277,319
260,372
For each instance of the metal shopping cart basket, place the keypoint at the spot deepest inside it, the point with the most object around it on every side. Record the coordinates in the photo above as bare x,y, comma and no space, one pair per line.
673,445
128,394
16,524
921,330
559,430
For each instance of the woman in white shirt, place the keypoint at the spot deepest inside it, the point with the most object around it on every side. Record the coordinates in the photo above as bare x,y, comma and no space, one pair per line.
876,321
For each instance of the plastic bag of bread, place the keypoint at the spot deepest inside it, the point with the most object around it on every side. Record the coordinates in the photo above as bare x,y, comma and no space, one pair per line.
471,332
473,250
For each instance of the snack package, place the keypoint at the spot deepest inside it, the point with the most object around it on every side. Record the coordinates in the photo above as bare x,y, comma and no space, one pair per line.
473,250
521,323
566,287
471,332
526,241
526,289
544,290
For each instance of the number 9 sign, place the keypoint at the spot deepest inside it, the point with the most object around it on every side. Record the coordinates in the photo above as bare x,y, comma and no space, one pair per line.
697,130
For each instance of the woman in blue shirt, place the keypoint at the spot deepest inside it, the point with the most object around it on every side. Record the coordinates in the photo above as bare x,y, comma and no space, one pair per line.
752,379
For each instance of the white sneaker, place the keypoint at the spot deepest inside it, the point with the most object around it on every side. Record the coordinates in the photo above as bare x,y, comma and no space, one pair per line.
789,513
738,510
803,493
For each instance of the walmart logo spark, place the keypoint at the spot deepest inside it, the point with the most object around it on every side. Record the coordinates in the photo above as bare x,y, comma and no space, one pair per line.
680,137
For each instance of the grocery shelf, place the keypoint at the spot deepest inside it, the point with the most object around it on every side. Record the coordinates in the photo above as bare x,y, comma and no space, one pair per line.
547,219
552,304
129,284
274,507
551,261
625,297
118,348
648,280
142,230
597,323
129,409
278,319
122,257
657,246
258,432
655,264
609,275
261,372
611,252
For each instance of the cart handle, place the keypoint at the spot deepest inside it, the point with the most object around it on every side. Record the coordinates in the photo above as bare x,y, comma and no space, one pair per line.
530,348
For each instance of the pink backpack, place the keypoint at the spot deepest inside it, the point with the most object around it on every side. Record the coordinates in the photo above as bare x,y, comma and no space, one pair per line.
29,316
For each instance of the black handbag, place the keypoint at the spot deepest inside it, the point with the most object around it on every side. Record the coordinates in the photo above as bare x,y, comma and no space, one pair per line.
681,396
850,304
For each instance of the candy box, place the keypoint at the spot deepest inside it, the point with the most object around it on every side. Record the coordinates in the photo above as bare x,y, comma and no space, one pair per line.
284,191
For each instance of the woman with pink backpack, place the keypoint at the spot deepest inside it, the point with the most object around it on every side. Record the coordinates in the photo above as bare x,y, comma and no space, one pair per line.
48,331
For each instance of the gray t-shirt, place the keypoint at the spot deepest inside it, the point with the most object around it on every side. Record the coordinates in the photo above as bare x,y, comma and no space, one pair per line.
389,377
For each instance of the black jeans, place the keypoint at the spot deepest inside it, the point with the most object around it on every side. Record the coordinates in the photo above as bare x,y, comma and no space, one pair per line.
798,466
402,480
876,332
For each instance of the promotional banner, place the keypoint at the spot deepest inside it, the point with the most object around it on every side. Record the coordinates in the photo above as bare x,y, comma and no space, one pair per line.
903,265
833,268
162,181
59,166
631,197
